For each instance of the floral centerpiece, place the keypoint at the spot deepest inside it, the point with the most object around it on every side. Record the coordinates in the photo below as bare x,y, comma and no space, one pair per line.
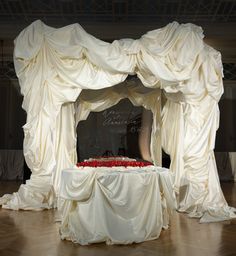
113,162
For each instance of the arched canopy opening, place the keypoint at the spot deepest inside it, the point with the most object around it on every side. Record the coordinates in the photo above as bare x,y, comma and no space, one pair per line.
138,95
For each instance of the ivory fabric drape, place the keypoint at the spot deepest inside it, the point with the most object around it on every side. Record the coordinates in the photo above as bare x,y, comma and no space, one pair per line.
55,65
115,205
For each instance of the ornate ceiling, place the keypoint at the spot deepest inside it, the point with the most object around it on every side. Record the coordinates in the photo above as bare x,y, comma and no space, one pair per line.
70,11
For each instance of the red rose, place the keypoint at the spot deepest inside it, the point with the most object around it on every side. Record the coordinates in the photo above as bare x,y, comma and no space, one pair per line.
112,163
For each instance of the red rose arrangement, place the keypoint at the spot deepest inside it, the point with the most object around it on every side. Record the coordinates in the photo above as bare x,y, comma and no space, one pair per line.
113,163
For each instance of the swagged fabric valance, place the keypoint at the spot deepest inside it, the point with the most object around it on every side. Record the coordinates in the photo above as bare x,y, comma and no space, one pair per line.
55,65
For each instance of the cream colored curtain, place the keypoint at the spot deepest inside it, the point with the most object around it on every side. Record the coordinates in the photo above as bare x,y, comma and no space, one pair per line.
55,65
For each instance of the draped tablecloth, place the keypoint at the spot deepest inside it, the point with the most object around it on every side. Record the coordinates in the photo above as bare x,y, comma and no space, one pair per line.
115,205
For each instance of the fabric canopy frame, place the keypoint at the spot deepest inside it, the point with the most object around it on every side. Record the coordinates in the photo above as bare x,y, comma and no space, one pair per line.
55,65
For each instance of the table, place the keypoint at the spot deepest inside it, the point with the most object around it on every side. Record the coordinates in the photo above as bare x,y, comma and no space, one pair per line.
115,205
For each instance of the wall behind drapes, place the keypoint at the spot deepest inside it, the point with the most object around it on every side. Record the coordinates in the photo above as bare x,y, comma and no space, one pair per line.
106,130
226,135
12,116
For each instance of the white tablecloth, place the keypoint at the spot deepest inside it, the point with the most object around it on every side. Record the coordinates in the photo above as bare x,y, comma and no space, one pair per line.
116,205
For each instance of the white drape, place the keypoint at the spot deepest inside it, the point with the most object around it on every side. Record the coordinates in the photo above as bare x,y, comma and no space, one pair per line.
54,65
118,206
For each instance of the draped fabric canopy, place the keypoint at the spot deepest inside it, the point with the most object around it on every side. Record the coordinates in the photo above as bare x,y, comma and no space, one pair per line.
55,65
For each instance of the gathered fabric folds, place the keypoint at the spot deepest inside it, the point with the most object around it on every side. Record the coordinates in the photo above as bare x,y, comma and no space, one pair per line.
58,69
116,206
